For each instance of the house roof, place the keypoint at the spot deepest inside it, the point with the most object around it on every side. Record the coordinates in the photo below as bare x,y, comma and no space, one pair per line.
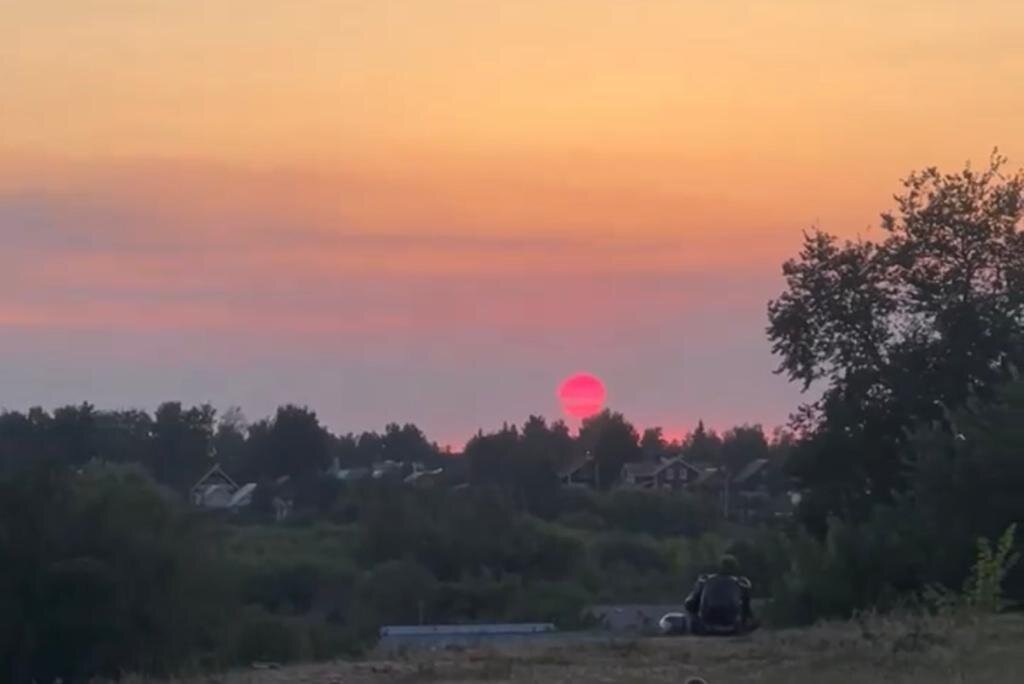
642,469
423,474
215,476
708,475
239,497
349,474
751,469
574,465
386,468
652,468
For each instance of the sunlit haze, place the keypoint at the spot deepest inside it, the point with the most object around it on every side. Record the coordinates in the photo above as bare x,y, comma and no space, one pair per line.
436,211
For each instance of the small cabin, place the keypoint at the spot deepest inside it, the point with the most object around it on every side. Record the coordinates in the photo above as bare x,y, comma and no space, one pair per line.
580,472
665,474
216,490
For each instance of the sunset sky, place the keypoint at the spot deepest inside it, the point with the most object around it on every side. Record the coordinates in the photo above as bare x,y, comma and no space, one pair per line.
435,210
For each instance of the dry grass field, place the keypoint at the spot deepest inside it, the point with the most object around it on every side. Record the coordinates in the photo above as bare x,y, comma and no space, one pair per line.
908,651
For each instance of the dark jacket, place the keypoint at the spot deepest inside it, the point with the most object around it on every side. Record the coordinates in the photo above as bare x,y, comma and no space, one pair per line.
692,603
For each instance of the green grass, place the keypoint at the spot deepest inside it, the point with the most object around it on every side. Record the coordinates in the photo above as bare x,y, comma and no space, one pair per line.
907,650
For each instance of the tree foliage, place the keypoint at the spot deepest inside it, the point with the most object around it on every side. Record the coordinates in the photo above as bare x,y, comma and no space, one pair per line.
101,575
611,441
902,329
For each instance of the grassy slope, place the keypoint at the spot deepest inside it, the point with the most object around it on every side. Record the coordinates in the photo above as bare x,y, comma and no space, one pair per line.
909,651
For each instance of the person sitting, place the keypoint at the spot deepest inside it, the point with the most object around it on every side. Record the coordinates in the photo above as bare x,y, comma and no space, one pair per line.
720,603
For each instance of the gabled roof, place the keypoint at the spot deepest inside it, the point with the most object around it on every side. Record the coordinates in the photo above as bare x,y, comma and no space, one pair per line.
386,468
642,469
350,474
215,476
575,465
652,468
239,498
708,475
751,469
423,474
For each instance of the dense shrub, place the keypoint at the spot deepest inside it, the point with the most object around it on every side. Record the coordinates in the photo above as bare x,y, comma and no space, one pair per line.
632,553
260,636
562,603
101,575
877,564
657,513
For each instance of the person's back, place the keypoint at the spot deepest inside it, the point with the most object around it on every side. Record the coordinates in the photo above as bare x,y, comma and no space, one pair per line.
720,603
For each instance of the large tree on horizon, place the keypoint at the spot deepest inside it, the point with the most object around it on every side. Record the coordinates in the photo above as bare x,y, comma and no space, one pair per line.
900,330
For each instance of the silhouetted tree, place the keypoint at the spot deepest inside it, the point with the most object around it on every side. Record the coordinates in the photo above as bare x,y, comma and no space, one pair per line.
522,464
292,443
702,446
73,434
230,443
407,444
101,576
612,442
345,451
23,435
124,436
967,482
897,329
741,445
492,458
653,444
182,444
541,451
369,449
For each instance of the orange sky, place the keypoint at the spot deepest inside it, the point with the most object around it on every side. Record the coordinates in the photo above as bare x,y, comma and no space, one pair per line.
442,207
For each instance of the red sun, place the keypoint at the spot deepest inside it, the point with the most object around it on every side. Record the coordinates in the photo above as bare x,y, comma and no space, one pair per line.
582,395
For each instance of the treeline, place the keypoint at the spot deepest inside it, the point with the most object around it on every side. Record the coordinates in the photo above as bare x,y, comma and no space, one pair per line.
177,444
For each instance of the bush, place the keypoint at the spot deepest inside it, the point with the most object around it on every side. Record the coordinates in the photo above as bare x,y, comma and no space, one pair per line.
101,575
562,603
635,552
261,637
657,513
873,565
984,588
396,592
582,520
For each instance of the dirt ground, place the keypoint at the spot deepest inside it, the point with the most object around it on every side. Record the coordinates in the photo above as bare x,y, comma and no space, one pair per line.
907,651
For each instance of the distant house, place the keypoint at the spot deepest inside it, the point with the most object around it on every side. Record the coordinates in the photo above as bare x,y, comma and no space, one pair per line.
422,476
579,472
216,490
409,473
753,477
710,480
668,473
352,474
388,470
760,491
